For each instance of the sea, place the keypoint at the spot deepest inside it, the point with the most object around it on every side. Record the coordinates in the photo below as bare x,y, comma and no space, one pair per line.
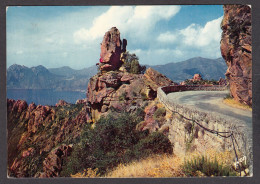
45,96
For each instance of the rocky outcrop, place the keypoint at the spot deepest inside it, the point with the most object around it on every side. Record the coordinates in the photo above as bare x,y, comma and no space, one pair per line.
52,165
155,79
61,103
34,132
111,49
16,106
122,90
236,49
197,77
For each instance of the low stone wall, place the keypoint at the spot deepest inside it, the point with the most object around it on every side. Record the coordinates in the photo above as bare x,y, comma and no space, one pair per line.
177,88
187,135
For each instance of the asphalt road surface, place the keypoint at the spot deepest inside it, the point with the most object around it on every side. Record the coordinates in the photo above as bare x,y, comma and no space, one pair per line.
211,101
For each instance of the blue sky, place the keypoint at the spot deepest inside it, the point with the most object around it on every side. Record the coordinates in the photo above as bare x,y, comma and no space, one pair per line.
58,36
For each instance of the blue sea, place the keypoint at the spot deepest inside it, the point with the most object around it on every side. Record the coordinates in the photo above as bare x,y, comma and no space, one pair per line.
44,96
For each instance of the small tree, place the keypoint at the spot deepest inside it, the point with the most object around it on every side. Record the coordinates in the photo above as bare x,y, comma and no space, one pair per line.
131,64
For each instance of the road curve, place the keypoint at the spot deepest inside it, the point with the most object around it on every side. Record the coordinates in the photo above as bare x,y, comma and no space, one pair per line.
211,101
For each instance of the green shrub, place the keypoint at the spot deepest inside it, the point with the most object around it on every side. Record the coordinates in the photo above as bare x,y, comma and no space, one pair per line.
144,96
155,143
159,114
206,167
115,140
122,97
73,164
131,64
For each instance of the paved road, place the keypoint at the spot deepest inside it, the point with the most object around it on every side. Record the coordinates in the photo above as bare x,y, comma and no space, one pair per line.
211,101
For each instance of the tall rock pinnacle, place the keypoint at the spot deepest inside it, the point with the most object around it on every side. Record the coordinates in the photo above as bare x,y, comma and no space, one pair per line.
111,49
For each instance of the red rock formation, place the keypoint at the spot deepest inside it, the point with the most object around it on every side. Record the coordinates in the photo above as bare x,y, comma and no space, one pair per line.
236,49
155,79
197,77
52,165
222,81
34,131
111,50
16,106
81,101
61,103
112,88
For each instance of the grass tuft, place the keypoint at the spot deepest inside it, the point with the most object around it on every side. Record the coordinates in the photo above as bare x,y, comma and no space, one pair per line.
216,164
231,102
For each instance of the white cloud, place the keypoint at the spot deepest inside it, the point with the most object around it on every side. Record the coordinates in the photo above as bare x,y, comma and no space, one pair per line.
128,19
49,40
64,54
167,37
195,35
202,36
19,52
194,40
136,51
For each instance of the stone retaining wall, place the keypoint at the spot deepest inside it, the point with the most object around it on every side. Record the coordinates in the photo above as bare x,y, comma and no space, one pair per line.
199,139
177,88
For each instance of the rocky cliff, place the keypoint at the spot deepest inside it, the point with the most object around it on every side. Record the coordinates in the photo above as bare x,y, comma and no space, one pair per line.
40,137
236,49
122,90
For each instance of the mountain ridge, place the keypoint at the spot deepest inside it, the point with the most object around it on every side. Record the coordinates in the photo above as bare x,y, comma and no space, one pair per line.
179,71
66,78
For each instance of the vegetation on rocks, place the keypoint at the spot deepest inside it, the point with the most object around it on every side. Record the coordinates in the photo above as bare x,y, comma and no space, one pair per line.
229,100
203,166
201,82
189,165
131,64
114,140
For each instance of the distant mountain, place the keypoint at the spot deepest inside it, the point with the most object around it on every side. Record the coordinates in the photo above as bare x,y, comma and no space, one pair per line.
208,68
64,78
68,79
67,71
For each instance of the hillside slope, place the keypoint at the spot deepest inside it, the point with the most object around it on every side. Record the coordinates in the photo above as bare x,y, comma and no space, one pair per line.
208,68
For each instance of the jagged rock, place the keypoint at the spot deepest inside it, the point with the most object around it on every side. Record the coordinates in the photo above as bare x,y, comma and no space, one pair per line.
37,116
149,111
236,49
156,79
183,83
36,131
28,152
52,165
81,101
112,88
18,105
31,107
61,103
197,77
111,49
222,81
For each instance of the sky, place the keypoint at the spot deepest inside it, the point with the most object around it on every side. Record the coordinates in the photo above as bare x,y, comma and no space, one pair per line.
56,36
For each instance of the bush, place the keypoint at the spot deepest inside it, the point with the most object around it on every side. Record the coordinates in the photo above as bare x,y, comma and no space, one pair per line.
131,64
159,114
112,141
203,166
155,143
122,97
144,96
73,164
